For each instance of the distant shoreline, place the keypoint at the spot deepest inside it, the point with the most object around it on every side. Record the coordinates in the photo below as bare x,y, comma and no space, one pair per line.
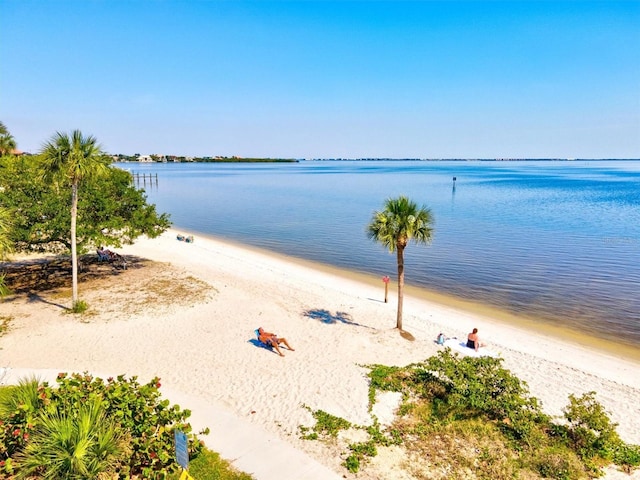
380,159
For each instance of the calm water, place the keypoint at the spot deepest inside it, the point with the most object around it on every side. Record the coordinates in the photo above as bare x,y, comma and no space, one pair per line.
559,241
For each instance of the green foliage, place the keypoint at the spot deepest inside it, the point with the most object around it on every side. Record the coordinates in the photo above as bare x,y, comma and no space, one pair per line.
627,456
82,443
127,409
478,386
390,379
209,466
399,222
20,407
391,437
6,225
326,425
590,431
352,463
472,413
111,210
358,452
559,463
79,307
4,290
7,142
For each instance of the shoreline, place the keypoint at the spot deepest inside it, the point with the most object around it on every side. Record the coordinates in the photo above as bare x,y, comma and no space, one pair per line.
492,313
146,324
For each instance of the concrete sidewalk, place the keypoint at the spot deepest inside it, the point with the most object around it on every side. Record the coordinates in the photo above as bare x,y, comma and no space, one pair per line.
248,447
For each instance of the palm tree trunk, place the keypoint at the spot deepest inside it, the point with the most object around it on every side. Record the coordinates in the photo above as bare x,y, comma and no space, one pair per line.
400,255
74,250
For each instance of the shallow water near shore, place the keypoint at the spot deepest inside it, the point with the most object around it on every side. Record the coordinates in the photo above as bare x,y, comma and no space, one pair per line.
557,242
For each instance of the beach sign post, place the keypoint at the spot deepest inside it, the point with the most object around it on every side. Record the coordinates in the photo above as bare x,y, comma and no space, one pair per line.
385,279
182,453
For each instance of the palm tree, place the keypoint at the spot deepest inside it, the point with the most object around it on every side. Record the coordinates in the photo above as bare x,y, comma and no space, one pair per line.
72,159
399,222
82,444
7,142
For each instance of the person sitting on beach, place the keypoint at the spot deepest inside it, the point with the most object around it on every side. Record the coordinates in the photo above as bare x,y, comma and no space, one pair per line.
473,341
273,340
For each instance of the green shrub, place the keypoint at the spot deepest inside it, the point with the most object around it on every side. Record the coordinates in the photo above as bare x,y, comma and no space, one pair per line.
20,408
472,413
589,428
79,307
480,386
627,456
140,411
82,444
136,412
352,463
386,378
364,449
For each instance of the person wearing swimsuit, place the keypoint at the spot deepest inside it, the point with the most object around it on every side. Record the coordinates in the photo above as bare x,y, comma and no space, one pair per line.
273,340
473,341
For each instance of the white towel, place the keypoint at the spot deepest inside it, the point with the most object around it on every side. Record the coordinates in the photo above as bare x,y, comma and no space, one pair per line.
461,347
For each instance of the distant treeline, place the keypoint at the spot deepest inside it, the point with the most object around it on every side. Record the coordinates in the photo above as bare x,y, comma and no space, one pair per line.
177,159
248,160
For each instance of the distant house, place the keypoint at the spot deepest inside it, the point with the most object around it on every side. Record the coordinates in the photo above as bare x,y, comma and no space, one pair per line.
145,158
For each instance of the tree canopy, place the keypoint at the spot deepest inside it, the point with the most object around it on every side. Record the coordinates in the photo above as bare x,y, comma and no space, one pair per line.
7,142
399,222
111,210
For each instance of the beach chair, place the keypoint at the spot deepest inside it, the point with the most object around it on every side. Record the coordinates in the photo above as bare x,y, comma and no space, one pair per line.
103,256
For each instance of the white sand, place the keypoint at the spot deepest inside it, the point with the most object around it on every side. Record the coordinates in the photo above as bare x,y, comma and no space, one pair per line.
206,351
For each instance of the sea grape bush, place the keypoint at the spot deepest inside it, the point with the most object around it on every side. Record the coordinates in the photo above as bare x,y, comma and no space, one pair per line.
137,410
474,404
481,387
593,436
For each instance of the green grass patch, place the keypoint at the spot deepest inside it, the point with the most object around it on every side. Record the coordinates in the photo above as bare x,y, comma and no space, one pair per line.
79,307
208,465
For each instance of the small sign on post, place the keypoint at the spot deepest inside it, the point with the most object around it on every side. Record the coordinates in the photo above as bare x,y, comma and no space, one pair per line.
385,279
182,450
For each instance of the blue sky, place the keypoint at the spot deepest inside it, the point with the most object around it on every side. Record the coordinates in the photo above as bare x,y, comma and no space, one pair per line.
326,79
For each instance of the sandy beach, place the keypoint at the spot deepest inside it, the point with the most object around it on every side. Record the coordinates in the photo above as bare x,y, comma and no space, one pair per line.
201,342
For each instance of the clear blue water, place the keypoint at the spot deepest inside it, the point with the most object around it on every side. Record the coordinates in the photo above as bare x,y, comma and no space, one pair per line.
558,241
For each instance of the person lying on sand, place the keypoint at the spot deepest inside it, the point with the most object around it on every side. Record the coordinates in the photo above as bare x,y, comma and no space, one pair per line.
473,341
273,340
